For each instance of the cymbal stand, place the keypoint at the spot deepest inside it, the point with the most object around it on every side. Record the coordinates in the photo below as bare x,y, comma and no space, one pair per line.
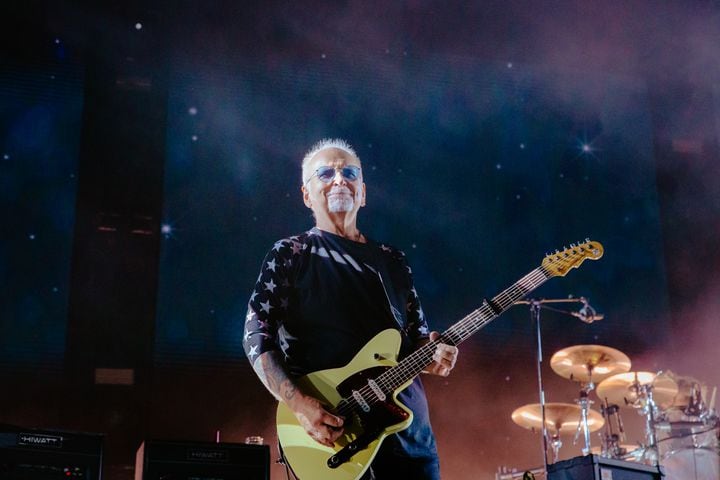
584,403
556,443
649,409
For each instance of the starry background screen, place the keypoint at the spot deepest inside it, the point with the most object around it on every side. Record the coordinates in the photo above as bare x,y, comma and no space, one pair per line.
489,135
40,117
475,175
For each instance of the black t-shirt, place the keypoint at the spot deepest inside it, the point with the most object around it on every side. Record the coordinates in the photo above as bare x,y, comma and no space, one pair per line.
321,297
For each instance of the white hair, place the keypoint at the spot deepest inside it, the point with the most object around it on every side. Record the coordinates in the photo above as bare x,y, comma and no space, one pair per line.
338,143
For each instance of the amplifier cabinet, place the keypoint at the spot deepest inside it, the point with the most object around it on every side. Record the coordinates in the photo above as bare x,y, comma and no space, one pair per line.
595,467
33,454
178,460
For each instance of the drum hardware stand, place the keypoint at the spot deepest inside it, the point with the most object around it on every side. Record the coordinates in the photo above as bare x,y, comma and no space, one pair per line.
556,443
649,410
584,403
611,442
535,306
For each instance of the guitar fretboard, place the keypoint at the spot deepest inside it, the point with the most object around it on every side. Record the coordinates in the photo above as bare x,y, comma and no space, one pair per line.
413,364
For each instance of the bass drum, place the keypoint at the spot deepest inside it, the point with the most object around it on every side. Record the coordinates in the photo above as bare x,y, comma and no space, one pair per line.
689,449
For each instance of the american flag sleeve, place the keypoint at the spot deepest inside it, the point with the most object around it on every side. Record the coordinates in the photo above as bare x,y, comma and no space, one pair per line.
269,302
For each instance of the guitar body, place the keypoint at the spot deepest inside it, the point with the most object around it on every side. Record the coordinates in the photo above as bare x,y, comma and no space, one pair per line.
309,459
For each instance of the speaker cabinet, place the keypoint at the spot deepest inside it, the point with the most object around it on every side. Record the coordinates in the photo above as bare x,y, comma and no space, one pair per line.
176,460
594,467
32,454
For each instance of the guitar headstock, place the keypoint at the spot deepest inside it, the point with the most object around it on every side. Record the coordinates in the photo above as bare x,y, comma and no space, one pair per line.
558,264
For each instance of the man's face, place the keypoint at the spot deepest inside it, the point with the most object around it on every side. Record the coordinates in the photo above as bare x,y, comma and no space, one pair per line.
339,195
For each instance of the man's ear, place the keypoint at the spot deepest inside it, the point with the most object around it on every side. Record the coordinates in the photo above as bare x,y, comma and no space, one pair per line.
306,196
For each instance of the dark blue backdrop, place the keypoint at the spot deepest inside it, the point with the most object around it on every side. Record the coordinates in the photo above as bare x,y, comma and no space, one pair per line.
475,170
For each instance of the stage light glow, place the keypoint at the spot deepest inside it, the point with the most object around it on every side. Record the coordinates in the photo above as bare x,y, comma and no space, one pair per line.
192,111
138,26
586,147
166,229
194,138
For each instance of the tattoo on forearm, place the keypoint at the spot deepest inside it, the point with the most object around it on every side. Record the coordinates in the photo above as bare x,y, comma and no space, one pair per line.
270,369
290,390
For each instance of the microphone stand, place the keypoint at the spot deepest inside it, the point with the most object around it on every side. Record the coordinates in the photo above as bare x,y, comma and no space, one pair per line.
535,306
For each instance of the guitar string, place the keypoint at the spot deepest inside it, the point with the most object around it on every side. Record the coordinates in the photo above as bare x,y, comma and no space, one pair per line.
518,289
389,380
413,364
478,318
460,331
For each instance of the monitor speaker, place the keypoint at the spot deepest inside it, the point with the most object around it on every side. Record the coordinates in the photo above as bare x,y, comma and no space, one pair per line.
177,460
595,467
33,454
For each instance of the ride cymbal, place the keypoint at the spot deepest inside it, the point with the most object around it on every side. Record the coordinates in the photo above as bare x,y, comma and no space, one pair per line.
585,363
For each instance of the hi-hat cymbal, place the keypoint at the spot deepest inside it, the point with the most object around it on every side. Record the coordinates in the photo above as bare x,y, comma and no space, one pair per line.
559,417
624,389
583,363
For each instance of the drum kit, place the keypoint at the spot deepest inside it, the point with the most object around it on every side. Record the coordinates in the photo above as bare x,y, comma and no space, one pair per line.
681,427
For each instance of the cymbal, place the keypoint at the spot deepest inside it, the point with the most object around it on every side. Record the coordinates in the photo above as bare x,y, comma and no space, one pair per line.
559,417
621,389
583,363
689,388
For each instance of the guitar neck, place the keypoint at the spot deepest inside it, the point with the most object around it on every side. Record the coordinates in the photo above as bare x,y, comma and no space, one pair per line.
413,364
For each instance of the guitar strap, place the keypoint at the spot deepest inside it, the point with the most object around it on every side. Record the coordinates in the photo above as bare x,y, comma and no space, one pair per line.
394,311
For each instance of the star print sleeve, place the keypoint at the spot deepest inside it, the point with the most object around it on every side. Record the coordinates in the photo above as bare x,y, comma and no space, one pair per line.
417,327
268,302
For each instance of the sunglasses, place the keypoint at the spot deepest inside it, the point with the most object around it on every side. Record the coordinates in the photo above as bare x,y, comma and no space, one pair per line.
326,173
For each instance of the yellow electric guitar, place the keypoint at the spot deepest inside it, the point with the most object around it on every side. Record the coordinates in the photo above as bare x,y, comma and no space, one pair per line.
365,390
